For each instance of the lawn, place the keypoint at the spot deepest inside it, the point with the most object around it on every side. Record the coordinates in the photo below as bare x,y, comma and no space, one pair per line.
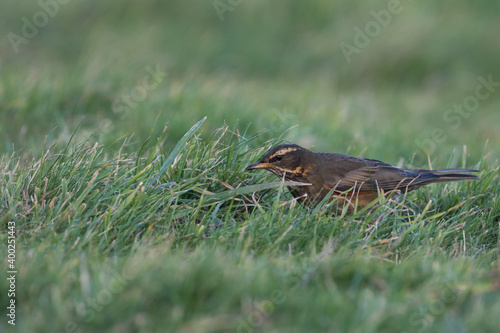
126,127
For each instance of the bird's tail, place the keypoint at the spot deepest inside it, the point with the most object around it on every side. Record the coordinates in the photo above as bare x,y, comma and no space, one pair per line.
445,175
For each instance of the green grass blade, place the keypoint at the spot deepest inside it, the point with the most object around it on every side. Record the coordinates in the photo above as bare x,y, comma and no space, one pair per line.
175,152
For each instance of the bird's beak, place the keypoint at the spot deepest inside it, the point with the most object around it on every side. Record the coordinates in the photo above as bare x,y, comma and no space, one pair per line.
256,165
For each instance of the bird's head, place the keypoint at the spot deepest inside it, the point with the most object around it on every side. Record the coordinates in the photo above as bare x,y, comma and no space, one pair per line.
288,160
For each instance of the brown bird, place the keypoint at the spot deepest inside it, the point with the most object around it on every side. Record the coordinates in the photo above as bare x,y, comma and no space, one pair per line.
357,181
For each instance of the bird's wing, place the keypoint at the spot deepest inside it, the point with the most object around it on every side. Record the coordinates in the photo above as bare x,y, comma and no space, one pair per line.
349,172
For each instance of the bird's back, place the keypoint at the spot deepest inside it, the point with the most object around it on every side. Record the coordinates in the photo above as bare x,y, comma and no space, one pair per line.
344,172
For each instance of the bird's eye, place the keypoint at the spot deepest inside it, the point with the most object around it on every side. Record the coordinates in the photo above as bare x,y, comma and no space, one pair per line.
279,157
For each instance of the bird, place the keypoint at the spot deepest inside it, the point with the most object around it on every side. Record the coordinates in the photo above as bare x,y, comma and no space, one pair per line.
353,180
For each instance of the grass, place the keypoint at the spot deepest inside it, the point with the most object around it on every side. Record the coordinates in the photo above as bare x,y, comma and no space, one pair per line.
141,218
113,253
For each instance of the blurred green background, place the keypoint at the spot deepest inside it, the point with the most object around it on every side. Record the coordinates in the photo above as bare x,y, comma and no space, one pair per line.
258,66
121,71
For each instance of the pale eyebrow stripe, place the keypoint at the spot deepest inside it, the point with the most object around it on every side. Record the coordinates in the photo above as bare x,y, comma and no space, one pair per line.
283,152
